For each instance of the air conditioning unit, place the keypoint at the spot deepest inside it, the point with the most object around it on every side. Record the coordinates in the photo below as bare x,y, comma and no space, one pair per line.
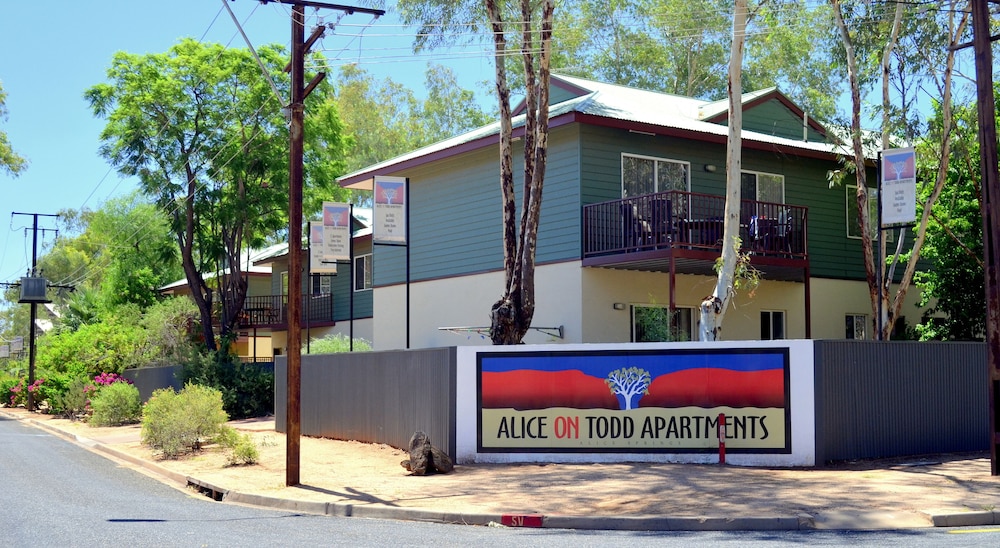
33,290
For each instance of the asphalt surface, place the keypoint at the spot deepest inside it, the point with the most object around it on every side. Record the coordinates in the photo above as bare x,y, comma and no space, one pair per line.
938,491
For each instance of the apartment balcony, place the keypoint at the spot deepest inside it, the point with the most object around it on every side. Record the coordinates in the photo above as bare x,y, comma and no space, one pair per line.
271,311
682,232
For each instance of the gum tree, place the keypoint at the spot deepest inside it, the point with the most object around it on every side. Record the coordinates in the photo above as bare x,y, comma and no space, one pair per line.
10,162
202,130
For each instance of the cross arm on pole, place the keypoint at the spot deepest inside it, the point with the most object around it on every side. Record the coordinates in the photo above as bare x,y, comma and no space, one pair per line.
324,5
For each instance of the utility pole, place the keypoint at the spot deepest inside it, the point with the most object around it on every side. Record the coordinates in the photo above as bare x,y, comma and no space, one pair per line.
300,47
34,310
990,208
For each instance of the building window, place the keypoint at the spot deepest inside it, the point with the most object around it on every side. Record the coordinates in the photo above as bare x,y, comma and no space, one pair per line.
763,187
654,323
856,326
646,175
322,284
852,214
772,325
284,283
363,272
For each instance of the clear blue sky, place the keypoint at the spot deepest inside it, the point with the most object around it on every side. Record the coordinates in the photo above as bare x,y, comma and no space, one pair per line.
51,52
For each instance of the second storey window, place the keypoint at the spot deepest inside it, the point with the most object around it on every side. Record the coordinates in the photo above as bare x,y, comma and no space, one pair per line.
322,284
363,272
853,231
646,175
763,187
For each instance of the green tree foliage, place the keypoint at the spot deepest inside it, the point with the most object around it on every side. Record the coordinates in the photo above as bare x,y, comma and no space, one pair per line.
204,133
111,345
10,162
954,285
682,47
171,326
386,119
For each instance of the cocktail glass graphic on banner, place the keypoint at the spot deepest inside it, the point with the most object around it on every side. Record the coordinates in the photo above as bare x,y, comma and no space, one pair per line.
388,192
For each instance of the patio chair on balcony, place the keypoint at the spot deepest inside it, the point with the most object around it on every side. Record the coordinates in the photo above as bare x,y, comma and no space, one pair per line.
636,231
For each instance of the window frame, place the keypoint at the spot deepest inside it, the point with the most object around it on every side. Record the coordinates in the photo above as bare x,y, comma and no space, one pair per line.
851,323
675,323
322,284
771,315
366,274
851,201
756,197
656,180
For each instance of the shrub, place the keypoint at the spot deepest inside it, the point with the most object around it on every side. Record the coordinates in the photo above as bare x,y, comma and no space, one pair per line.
173,423
247,388
336,344
7,393
242,449
50,391
74,402
116,404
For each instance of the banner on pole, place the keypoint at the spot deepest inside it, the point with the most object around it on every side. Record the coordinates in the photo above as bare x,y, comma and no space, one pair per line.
336,232
899,187
317,263
390,210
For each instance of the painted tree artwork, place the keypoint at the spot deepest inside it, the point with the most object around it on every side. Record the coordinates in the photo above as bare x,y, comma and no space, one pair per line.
628,385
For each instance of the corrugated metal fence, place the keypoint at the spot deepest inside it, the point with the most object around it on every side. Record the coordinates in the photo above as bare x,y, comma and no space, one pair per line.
377,397
148,379
884,399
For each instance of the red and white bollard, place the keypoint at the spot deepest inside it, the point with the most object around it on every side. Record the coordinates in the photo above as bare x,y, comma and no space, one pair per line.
722,438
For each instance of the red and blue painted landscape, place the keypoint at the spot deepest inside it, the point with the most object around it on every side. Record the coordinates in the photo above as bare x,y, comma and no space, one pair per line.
728,378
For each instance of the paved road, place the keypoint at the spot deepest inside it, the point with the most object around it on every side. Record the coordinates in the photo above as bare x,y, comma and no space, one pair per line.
56,493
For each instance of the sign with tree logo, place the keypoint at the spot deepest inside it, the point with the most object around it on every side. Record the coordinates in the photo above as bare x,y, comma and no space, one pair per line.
390,210
665,400
318,263
899,187
336,231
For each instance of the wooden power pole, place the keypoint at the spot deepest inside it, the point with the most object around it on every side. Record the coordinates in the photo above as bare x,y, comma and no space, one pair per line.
982,45
299,92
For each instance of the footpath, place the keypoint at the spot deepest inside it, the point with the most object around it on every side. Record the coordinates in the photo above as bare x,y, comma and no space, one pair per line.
345,478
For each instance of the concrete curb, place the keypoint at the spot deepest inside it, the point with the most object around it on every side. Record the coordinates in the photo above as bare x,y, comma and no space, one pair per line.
939,518
963,519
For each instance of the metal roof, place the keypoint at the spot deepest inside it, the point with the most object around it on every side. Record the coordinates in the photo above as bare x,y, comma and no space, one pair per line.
650,109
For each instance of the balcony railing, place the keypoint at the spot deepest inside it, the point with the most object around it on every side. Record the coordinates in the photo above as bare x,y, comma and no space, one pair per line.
688,220
272,310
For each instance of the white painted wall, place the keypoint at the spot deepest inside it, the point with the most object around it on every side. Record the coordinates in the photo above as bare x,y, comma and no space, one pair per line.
834,299
582,301
465,302
802,409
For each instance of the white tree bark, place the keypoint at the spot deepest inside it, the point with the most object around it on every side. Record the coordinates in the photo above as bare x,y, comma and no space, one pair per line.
713,307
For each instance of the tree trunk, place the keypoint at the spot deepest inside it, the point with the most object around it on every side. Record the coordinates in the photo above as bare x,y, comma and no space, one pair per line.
883,287
859,159
511,315
200,292
713,307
